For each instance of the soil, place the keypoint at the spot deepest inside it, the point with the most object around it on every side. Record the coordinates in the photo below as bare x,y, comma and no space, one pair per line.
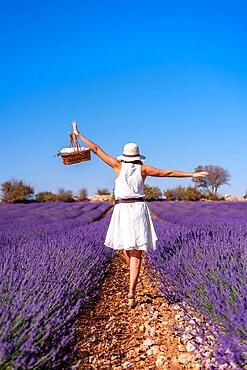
111,335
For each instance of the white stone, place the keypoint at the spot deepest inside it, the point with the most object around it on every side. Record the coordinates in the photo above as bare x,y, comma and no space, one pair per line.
127,364
156,349
190,347
160,360
100,198
153,350
152,330
184,358
231,198
148,342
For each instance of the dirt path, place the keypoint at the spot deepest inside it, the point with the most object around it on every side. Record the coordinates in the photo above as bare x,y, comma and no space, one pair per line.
113,336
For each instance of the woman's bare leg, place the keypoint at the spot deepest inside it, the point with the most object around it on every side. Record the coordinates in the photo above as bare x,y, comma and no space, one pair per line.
135,265
127,257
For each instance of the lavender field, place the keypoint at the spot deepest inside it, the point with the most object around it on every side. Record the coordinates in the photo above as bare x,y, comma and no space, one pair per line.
201,261
52,262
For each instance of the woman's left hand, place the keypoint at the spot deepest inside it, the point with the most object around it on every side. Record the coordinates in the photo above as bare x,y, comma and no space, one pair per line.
200,174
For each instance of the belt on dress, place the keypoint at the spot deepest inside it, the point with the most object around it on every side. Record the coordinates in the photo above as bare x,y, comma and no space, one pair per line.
129,200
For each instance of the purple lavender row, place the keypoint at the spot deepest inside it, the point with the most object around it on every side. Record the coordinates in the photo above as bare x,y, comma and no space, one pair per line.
27,223
44,282
50,212
181,212
201,260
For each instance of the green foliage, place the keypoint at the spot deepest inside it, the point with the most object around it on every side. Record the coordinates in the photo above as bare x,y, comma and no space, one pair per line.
14,191
152,192
82,195
189,193
103,191
209,195
46,196
217,176
65,195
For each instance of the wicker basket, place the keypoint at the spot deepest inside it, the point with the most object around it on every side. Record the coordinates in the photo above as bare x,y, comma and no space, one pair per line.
78,155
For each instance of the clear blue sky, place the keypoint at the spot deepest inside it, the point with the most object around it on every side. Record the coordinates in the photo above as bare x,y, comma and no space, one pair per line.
169,75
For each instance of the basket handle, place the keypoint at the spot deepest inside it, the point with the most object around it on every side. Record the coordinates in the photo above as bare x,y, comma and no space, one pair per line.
73,141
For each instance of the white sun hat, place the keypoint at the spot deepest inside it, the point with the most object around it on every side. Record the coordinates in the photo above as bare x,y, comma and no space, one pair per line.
131,153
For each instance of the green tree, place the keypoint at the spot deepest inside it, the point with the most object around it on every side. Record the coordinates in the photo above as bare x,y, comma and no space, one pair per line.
210,195
46,196
152,192
64,195
14,191
103,191
189,193
217,176
82,195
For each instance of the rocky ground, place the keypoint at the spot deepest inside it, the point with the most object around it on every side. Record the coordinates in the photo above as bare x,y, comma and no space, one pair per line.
113,336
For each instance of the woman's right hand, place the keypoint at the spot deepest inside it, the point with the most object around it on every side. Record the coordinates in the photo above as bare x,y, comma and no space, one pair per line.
200,174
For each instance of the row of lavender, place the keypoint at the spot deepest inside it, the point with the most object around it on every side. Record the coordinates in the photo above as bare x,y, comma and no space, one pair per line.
201,260
51,261
52,213
45,218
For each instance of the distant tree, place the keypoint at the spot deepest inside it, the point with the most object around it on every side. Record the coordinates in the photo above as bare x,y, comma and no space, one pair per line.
209,195
46,196
82,195
217,176
189,193
103,191
64,195
245,196
14,191
152,192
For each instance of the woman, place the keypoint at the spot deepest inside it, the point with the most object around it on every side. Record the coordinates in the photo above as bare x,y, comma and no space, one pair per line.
131,228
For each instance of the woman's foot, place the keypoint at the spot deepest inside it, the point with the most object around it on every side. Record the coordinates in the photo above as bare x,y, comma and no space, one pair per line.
131,299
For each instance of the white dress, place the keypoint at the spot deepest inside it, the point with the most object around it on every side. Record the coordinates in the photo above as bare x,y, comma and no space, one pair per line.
131,226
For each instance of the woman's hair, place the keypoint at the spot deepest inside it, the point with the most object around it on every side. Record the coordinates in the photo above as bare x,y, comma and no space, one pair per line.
134,162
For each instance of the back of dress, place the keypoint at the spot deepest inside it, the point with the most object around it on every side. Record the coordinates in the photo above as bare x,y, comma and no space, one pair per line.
129,183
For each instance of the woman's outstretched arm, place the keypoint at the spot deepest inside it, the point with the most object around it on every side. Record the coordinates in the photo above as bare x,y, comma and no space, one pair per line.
111,161
157,172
